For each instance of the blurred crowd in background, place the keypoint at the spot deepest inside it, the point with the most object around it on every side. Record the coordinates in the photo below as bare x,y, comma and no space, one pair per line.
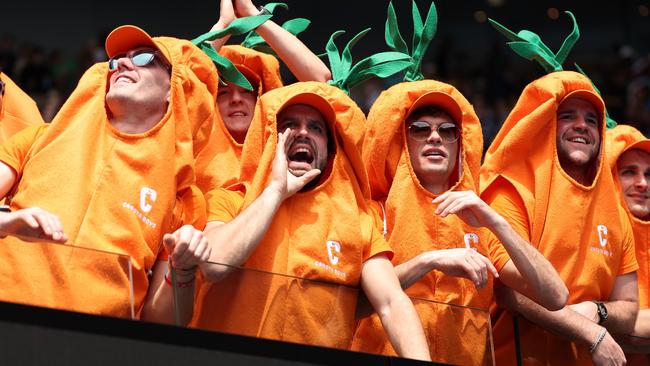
492,81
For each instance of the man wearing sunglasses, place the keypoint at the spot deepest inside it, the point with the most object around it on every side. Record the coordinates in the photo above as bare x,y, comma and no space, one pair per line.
17,109
115,172
423,150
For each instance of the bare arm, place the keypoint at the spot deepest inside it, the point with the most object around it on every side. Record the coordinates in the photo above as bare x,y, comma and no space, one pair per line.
622,307
565,323
642,325
527,271
395,309
234,242
459,262
302,62
226,15
188,248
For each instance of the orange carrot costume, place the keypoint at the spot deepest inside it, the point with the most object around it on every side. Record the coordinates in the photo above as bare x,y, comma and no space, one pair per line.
454,336
581,230
17,110
324,234
113,191
262,71
621,139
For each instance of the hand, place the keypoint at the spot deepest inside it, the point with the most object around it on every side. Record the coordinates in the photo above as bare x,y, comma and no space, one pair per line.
463,262
468,206
283,181
187,248
588,309
226,15
608,352
245,8
32,224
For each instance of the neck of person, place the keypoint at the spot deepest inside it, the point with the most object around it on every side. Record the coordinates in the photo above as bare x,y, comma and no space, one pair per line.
435,186
584,175
134,119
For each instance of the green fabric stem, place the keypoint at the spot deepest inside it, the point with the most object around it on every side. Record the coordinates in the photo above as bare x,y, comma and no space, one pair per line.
609,122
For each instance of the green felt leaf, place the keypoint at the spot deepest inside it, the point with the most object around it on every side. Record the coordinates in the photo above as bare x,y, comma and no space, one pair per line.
392,35
226,68
236,27
570,41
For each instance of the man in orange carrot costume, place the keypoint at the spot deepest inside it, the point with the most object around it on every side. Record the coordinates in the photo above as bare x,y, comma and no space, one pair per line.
424,143
547,173
305,215
628,152
17,109
123,148
236,103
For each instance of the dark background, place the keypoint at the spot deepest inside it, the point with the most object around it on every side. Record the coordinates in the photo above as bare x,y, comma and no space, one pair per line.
53,42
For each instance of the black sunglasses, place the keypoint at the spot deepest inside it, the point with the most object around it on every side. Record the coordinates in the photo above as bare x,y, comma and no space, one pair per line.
139,58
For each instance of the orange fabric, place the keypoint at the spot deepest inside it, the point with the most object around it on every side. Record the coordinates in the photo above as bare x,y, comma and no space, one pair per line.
619,140
224,154
456,336
324,234
114,192
567,221
17,110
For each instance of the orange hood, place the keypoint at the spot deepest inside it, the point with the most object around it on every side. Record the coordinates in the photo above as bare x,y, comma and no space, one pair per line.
17,110
384,143
119,189
620,139
524,151
224,153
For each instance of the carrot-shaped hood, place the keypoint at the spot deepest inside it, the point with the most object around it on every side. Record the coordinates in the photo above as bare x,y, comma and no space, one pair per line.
17,110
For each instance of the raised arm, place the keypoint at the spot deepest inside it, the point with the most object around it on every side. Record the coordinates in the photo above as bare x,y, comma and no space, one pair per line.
188,248
302,62
226,15
528,271
394,308
232,243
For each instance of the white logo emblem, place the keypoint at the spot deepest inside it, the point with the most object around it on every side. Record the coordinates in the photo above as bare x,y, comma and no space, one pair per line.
333,246
602,235
471,241
147,198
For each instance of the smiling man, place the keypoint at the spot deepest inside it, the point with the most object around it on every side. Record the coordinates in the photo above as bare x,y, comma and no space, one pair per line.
99,178
546,173
302,228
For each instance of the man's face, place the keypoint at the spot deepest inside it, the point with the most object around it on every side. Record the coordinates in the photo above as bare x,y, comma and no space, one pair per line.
236,106
309,147
434,158
146,85
578,134
634,174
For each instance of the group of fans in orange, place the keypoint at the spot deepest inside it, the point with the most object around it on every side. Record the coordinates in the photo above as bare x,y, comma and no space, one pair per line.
238,200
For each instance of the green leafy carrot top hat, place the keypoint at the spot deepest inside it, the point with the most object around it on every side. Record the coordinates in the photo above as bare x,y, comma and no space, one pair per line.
529,45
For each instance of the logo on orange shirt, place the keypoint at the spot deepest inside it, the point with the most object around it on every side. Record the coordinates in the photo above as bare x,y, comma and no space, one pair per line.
147,198
333,246
602,235
471,241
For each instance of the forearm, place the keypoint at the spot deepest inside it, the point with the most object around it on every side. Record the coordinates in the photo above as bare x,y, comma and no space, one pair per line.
160,304
621,317
219,42
564,322
413,270
404,329
300,60
234,242
642,324
541,281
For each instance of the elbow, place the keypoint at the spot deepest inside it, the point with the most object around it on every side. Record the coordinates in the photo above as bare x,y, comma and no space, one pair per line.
557,299
213,272
323,76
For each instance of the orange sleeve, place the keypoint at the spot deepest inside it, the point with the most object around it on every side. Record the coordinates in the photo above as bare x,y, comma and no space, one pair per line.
629,263
506,202
224,204
14,151
378,244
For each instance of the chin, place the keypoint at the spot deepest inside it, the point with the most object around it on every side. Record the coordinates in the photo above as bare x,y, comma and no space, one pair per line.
640,211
